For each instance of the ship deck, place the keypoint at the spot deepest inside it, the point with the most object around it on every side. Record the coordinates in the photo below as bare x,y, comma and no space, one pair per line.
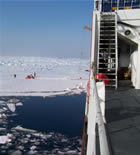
123,119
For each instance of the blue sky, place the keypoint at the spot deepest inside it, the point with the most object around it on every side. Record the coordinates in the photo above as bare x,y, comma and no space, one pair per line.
45,28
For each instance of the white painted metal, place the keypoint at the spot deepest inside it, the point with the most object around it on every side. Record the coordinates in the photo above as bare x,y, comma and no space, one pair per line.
98,5
91,114
133,66
91,143
101,95
99,19
104,148
93,38
138,69
107,49
94,114
116,50
131,21
131,16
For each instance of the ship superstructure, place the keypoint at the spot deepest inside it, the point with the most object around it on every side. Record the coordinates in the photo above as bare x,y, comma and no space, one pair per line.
116,38
115,56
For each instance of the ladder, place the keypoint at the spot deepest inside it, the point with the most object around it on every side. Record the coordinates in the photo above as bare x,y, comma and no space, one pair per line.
107,62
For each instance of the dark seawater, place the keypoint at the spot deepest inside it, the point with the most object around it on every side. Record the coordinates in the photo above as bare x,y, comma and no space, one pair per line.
61,114
58,122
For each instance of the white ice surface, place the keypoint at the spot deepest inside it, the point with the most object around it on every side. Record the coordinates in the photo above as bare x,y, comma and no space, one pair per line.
19,104
4,139
12,107
19,128
54,76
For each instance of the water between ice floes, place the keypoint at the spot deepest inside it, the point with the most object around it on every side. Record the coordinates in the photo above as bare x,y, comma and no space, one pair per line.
61,114
58,122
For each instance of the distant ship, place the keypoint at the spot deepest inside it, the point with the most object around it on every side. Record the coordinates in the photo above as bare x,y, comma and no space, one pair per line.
115,60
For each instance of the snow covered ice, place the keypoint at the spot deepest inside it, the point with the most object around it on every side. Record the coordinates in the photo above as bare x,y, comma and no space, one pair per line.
5,139
55,76
12,107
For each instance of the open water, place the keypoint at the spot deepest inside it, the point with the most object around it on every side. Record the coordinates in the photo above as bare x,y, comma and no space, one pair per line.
58,122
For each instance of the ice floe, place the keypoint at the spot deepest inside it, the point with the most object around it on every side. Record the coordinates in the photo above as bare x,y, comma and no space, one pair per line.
3,116
2,129
17,152
14,100
19,104
11,107
19,128
2,102
5,139
54,76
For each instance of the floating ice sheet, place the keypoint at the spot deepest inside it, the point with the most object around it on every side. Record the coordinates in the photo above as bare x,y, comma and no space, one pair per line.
11,107
19,128
4,139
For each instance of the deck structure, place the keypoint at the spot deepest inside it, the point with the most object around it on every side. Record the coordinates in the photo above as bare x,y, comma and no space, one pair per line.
115,57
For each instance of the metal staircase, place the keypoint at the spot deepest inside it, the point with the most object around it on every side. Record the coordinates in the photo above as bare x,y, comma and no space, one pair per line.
107,63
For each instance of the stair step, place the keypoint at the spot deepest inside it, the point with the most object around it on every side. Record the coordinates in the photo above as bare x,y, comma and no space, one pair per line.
112,74
107,43
107,15
108,21
108,39
107,25
109,85
107,79
106,52
108,68
107,47
113,63
111,58
107,35
103,25
107,30
111,23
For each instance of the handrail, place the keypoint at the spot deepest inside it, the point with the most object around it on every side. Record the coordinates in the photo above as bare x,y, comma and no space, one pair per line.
93,114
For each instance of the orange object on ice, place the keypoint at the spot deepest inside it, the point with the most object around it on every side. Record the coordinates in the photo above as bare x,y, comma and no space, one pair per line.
102,76
29,77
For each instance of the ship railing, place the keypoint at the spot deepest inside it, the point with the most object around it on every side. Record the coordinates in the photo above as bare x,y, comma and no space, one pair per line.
95,118
94,124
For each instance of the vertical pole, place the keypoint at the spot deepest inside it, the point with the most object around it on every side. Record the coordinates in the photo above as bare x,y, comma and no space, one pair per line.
92,54
137,85
98,5
91,143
